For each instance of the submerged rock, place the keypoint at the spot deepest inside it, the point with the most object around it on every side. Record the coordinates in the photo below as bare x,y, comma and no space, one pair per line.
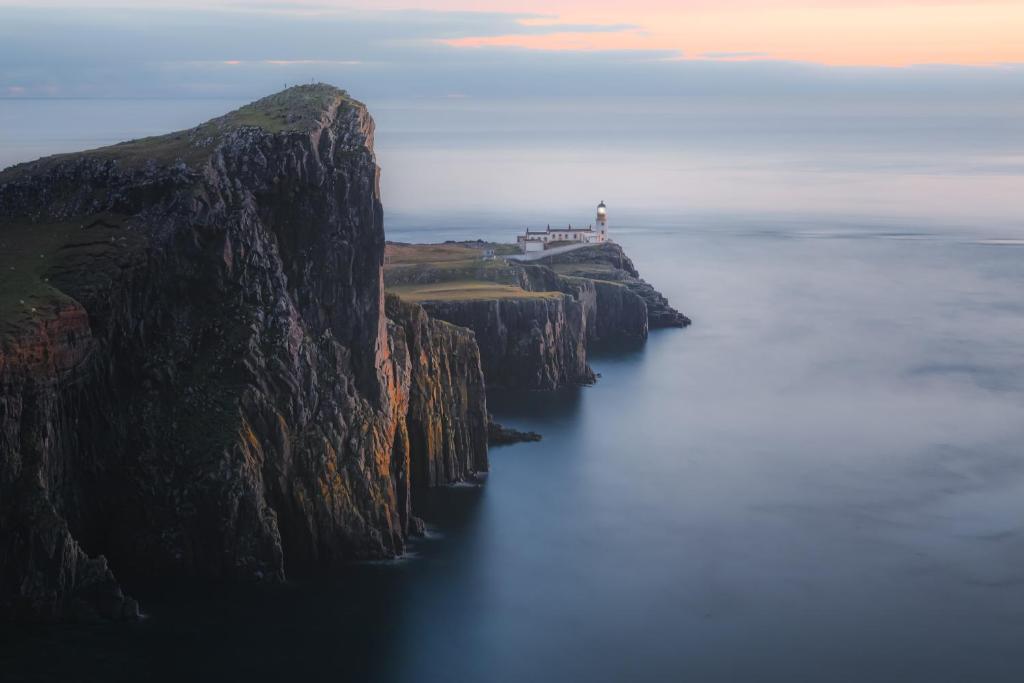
499,435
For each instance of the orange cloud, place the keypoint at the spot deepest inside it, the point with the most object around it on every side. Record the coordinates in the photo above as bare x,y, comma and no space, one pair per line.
828,32
834,32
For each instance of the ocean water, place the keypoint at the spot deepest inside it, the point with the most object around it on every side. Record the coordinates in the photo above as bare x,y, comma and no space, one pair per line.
821,480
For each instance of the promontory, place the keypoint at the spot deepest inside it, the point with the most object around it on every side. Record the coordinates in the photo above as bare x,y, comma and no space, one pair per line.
207,370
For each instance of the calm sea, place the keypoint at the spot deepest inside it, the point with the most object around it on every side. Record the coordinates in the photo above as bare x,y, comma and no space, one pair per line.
821,480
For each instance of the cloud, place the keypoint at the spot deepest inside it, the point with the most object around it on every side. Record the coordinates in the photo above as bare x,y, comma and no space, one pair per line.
547,26
312,62
735,55
396,54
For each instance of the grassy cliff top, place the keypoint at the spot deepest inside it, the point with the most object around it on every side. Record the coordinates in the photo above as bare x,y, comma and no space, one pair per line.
408,254
447,262
453,271
466,290
300,108
36,258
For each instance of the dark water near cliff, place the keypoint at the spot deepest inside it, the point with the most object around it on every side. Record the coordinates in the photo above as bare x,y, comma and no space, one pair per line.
821,480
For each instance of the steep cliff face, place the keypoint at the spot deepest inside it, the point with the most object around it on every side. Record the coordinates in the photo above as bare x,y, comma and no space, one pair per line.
620,314
608,262
447,418
197,376
612,310
525,343
544,354
528,343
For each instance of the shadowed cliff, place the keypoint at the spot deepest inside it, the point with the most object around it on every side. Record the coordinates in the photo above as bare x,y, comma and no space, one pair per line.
197,375
533,321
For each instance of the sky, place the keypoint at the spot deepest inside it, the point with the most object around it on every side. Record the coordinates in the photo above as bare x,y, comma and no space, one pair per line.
835,32
494,47
897,107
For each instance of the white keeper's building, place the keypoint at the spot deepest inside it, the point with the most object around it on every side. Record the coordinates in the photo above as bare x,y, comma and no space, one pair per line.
556,237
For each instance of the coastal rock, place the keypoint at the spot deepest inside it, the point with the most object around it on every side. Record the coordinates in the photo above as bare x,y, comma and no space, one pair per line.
608,262
500,435
447,416
197,375
620,314
525,343
528,340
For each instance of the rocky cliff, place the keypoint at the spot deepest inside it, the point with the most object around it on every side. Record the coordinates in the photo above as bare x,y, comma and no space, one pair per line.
447,419
594,295
608,263
621,314
525,343
197,375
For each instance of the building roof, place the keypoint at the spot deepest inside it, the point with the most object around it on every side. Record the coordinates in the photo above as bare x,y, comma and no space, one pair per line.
551,230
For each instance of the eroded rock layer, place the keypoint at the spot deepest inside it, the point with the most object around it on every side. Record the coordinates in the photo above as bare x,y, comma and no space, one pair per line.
447,419
535,324
608,263
525,343
197,376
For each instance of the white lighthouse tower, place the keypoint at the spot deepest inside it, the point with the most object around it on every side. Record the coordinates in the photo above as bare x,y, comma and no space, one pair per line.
602,222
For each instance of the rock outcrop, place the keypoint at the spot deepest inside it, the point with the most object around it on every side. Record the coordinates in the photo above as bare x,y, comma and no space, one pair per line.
608,262
529,341
525,343
620,314
197,375
594,295
447,418
500,435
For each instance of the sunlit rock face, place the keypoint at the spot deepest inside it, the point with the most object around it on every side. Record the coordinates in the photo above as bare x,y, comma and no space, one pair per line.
200,378
447,416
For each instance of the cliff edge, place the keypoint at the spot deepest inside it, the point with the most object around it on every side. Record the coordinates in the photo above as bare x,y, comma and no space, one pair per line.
197,373
534,321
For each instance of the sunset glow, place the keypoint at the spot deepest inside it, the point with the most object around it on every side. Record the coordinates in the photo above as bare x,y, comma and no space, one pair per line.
831,32
834,33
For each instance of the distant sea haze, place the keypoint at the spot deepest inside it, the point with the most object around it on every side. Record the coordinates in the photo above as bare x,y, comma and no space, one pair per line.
933,166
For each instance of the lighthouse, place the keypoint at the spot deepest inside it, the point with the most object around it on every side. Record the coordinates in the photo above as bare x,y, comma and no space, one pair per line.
602,221
567,237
